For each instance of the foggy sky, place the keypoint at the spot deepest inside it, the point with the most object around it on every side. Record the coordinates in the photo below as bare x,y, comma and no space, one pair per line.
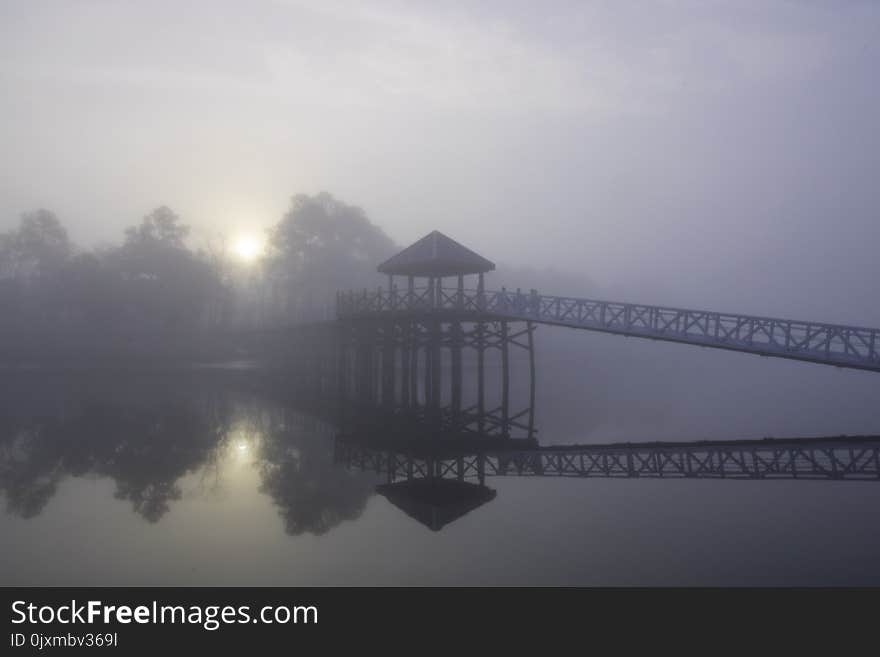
694,153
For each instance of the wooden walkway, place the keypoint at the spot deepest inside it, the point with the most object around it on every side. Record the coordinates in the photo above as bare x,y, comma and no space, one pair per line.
829,344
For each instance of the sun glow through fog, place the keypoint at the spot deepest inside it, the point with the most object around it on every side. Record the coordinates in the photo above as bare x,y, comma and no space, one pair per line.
247,248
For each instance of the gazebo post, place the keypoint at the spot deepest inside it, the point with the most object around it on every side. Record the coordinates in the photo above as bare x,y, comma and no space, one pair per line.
436,371
531,330
481,379
405,355
505,380
455,382
429,339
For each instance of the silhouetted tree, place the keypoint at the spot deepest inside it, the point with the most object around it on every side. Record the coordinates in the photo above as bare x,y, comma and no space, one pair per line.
147,296
8,257
118,302
31,258
39,247
160,226
164,283
320,246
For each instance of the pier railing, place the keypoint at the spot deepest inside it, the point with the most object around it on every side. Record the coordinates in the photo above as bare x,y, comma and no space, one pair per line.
830,344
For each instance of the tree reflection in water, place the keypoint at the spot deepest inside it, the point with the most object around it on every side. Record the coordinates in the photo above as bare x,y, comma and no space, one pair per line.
313,494
147,438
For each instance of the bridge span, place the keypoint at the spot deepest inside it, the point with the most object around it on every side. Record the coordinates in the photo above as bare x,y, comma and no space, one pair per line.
817,342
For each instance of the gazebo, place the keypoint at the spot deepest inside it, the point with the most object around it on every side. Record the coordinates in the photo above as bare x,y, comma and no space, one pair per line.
386,338
435,257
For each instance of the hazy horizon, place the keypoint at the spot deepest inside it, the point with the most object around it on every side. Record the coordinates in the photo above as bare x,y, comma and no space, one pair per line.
718,155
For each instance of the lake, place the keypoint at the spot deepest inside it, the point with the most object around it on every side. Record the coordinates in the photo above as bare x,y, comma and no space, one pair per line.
220,476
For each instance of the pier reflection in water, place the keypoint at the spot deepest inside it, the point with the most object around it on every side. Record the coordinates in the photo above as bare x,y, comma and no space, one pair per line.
232,479
441,479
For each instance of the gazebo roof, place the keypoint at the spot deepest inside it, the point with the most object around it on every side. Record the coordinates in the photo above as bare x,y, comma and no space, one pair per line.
436,255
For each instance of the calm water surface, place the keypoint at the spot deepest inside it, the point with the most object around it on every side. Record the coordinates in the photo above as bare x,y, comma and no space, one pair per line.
216,478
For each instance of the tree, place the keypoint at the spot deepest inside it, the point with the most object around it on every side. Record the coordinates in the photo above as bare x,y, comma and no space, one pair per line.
7,256
38,248
161,226
322,245
165,283
31,260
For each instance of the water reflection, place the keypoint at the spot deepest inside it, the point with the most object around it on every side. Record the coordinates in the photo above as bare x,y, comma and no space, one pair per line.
149,441
436,503
298,472
439,481
160,441
145,451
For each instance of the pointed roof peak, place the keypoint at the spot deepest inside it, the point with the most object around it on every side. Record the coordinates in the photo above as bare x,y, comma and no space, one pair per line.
436,255
436,502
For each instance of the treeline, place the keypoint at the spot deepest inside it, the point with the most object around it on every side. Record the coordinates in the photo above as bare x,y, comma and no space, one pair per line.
57,298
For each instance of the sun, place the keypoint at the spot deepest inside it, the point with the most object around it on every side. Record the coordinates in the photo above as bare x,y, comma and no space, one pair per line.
247,247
